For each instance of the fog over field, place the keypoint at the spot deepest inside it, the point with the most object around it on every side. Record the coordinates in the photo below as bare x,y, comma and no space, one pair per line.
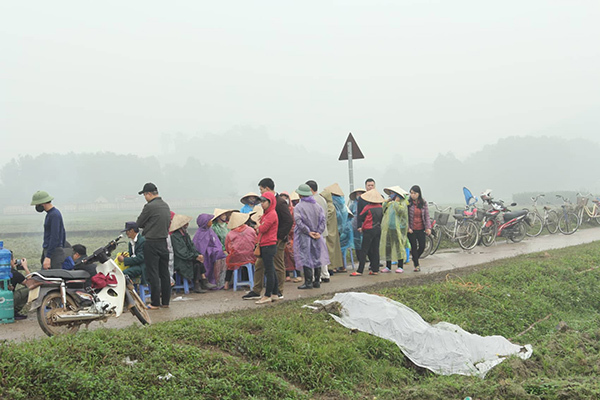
207,98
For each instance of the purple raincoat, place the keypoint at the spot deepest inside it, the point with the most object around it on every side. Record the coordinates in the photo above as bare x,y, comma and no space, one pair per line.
208,244
308,252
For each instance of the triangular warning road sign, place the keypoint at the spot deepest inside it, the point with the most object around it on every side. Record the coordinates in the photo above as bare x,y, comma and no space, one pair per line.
356,153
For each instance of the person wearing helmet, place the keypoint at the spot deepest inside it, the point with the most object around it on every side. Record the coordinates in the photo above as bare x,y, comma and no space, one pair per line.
55,247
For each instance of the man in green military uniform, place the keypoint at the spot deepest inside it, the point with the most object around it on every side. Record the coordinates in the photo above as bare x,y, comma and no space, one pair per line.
136,267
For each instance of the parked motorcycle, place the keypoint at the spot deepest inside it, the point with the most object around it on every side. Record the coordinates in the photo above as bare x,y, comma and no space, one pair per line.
513,225
64,299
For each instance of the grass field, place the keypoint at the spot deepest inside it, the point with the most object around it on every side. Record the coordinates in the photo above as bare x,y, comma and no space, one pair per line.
550,300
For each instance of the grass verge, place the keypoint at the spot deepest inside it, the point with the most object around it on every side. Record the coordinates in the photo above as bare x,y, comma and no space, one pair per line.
549,299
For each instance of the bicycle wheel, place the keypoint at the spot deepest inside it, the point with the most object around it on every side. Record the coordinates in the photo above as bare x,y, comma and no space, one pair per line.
467,235
428,246
519,232
436,234
488,233
535,225
568,223
552,222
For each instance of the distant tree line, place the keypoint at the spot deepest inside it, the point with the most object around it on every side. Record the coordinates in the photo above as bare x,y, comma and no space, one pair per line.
85,177
512,165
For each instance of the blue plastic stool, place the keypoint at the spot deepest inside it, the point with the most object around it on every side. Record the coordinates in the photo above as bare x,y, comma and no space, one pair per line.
237,275
143,291
181,283
351,258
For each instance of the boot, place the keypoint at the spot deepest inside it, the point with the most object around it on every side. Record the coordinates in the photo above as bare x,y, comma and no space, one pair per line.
317,280
308,277
205,284
197,287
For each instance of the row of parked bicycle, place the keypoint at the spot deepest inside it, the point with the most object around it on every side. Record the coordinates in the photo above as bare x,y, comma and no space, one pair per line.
471,225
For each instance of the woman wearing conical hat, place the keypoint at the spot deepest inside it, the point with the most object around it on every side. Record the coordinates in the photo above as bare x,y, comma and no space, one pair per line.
394,228
249,201
369,223
186,259
239,245
219,223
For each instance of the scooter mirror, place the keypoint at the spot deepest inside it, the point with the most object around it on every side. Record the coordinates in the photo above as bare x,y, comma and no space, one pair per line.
513,204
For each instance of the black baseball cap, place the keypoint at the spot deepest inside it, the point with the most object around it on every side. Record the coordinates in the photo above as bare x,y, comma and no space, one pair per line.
130,225
148,187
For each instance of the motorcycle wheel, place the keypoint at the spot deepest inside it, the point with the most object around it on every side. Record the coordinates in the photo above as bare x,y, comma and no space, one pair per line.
519,232
51,304
139,309
468,235
428,246
552,222
436,237
488,234
535,224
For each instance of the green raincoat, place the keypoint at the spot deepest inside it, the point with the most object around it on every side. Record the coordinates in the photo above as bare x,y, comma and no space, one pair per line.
394,228
184,253
220,228
333,239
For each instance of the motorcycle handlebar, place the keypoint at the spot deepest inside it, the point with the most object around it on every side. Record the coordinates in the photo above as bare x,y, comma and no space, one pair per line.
103,253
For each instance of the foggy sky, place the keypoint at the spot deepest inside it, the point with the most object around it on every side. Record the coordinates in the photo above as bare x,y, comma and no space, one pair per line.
407,78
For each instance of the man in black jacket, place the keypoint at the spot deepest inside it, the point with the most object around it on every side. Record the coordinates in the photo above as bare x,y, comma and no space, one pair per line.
155,220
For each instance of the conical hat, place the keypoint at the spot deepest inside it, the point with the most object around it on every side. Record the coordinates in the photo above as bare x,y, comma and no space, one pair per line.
256,213
220,211
294,196
372,196
356,192
237,219
396,189
335,189
179,221
244,199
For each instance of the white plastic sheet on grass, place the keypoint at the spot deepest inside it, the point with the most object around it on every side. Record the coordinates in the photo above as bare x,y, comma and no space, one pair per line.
443,348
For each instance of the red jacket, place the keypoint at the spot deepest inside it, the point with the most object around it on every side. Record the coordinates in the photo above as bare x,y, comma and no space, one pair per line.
267,230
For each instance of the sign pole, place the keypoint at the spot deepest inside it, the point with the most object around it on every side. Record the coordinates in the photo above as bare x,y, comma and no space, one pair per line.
350,169
350,152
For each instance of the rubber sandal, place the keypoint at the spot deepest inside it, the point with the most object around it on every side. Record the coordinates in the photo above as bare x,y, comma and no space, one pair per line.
356,274
373,273
151,307
417,269
340,269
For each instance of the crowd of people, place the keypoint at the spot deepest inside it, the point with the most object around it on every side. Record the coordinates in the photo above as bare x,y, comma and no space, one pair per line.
300,236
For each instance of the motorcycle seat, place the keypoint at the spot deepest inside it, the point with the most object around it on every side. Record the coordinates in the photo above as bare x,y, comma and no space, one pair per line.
514,214
64,274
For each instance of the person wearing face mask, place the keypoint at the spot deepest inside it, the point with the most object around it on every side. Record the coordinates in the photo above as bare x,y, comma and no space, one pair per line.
56,249
249,200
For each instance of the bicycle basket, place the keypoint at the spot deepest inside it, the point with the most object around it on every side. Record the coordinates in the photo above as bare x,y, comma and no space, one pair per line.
582,201
480,215
441,218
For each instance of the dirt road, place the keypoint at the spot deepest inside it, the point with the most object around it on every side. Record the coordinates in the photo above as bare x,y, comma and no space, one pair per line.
194,305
